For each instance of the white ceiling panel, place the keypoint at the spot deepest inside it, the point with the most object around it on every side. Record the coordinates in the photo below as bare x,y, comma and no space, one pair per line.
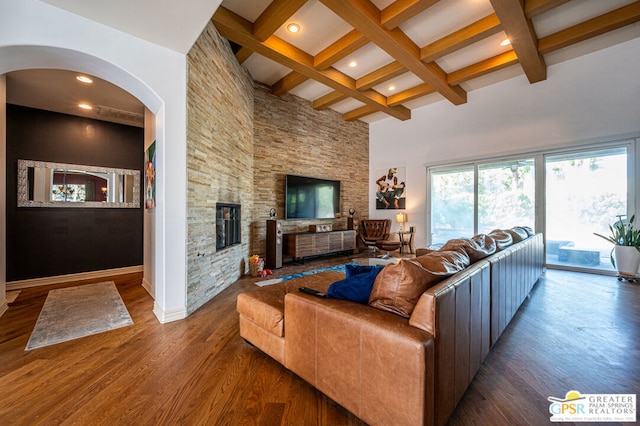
319,28
398,84
347,105
249,10
439,20
311,90
572,13
265,70
368,58
479,51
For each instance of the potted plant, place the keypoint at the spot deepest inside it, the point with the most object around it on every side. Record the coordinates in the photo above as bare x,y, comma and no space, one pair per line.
627,247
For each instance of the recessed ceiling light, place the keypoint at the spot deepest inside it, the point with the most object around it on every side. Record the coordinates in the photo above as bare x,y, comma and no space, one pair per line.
392,88
505,42
85,106
353,64
84,79
293,28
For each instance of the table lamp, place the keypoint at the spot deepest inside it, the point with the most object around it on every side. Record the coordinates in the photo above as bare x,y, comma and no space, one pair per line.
401,218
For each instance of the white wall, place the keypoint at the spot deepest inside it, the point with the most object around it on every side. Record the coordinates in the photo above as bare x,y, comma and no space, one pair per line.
36,35
590,97
3,203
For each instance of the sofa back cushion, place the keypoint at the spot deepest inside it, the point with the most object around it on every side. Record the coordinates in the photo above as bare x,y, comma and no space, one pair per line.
477,247
398,287
502,238
517,234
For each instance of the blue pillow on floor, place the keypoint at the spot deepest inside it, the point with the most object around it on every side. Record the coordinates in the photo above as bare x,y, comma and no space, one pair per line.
355,288
352,269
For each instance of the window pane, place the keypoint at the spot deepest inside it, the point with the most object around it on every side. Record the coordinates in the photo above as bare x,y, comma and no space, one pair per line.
451,205
584,193
506,195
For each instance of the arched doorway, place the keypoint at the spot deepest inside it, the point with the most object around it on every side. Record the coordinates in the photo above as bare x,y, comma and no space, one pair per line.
169,304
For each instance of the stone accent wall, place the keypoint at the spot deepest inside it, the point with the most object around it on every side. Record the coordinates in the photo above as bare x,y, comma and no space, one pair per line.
219,163
290,137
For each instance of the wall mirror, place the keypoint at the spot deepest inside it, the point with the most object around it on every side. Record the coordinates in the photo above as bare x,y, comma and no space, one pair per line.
46,184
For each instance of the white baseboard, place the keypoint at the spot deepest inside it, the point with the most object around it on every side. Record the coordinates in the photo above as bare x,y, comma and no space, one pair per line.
37,282
169,316
147,286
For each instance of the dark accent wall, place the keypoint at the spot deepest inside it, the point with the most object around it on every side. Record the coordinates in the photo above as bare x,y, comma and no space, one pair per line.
43,242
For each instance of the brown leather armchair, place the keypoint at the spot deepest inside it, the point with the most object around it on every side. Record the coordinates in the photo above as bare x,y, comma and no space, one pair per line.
374,230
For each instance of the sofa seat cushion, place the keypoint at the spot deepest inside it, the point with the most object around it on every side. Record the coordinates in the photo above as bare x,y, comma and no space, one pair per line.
398,287
265,305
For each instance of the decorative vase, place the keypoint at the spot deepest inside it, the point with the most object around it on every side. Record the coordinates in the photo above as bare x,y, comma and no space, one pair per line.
627,260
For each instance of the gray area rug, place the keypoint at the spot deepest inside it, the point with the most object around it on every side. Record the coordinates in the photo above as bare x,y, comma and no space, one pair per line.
74,312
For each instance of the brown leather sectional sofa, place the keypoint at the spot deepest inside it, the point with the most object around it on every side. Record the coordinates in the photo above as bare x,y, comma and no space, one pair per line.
384,367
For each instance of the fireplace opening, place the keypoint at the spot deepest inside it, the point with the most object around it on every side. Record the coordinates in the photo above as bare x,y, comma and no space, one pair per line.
227,225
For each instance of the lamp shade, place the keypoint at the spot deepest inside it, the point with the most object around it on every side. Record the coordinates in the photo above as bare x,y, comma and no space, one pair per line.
401,217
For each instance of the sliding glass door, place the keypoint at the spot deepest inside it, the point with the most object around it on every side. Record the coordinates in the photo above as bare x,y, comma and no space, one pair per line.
576,193
481,197
585,191
506,195
452,204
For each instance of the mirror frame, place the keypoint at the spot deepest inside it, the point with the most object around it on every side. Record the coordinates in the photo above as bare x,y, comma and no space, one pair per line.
23,186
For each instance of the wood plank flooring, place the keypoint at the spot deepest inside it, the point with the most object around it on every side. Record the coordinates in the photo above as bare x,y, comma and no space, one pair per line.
575,332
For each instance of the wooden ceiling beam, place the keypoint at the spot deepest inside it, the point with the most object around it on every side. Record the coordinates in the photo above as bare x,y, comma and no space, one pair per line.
481,68
243,54
534,8
465,74
464,37
239,30
457,40
358,113
274,16
345,46
288,82
329,99
401,10
366,82
410,94
365,17
380,75
523,39
615,19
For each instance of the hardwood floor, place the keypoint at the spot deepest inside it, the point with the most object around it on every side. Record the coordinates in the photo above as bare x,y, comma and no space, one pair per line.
575,332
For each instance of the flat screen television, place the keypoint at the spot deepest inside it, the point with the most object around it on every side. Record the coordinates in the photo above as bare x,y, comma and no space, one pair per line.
311,198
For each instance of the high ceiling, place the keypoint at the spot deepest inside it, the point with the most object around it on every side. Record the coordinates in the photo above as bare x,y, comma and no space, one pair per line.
428,50
409,53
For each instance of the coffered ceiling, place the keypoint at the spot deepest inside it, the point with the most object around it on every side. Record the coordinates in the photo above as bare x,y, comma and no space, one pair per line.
371,59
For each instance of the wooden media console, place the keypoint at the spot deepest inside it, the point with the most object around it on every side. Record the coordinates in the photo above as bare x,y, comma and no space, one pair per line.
308,244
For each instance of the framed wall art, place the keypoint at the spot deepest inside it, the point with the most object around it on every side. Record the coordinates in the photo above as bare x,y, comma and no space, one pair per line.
390,188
